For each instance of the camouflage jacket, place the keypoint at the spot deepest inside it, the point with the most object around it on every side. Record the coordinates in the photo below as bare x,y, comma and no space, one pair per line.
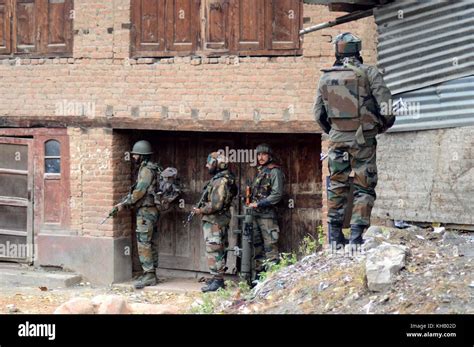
267,189
353,102
143,192
216,205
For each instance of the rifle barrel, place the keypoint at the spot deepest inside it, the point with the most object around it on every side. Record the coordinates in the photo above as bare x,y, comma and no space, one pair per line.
340,20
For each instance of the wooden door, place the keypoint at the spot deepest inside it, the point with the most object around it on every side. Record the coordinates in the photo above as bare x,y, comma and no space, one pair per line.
183,248
299,210
16,199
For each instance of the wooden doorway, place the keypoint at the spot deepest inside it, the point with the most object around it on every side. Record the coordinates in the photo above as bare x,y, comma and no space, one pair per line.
16,199
183,248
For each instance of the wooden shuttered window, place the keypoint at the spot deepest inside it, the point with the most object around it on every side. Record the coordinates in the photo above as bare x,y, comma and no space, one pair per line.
56,26
216,25
5,28
164,27
213,27
36,27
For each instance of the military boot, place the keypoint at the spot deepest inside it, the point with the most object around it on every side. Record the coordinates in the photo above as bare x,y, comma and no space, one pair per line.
213,285
356,234
336,236
148,279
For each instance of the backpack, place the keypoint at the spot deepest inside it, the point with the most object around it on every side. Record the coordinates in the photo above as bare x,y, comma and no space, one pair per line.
167,189
343,90
232,189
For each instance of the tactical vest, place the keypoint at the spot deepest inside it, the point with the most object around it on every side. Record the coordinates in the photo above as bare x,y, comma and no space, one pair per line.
262,185
348,99
231,188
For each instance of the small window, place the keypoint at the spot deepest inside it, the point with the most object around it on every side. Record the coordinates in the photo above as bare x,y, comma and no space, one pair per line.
52,157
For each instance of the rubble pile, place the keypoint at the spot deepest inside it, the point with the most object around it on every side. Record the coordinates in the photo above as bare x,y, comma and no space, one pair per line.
412,270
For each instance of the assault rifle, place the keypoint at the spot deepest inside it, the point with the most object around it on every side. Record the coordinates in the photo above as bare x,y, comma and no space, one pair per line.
200,204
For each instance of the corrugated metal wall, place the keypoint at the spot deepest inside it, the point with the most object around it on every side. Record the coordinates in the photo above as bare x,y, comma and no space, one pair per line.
432,42
425,49
448,104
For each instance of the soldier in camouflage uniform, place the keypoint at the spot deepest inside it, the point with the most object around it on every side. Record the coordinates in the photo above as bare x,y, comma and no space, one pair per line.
266,193
215,211
352,106
142,199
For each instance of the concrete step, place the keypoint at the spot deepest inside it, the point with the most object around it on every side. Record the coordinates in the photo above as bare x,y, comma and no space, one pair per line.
19,276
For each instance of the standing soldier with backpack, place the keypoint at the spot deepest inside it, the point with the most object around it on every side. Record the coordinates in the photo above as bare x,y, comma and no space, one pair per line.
215,210
352,106
142,198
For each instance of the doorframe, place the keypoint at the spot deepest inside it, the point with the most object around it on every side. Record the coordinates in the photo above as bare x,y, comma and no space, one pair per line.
30,197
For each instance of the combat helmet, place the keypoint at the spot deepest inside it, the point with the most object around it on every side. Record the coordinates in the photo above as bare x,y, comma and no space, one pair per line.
142,147
220,159
264,148
347,44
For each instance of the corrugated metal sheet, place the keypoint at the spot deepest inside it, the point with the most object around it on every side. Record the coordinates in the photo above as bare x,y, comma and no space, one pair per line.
428,42
448,104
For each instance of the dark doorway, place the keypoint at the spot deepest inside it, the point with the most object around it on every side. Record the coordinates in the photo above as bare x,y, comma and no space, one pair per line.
183,248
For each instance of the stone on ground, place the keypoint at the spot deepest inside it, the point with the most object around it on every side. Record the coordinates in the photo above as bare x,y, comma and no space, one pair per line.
382,264
76,306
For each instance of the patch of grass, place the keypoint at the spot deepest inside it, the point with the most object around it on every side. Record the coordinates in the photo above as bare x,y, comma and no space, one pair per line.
210,302
207,305
286,259
311,244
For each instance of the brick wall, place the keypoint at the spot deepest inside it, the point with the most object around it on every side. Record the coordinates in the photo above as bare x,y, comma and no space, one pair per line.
100,176
101,81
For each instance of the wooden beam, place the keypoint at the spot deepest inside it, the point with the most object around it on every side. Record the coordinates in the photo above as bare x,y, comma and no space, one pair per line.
240,126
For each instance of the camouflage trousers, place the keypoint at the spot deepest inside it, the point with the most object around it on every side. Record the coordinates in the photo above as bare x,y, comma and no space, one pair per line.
265,241
343,158
147,219
215,237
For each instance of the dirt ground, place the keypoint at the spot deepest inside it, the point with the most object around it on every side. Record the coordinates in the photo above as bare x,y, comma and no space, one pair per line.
438,278
37,301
